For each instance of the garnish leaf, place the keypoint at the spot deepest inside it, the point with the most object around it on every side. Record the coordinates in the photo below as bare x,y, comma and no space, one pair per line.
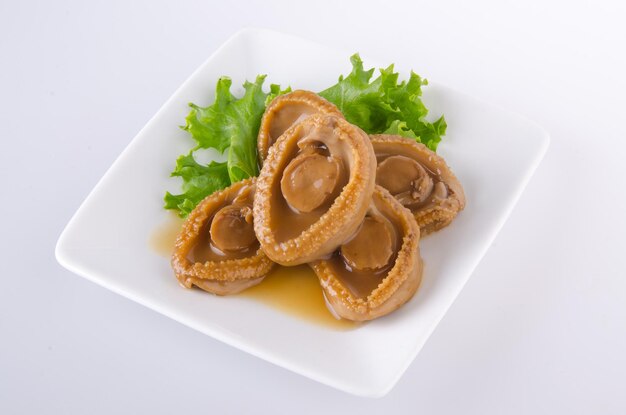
198,182
210,126
398,127
244,118
384,104
360,100
274,92
380,105
232,124
229,124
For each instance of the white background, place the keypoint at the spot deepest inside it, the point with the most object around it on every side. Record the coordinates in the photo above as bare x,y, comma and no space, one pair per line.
539,328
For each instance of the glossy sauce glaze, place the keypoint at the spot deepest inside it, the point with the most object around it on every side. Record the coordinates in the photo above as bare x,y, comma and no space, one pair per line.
420,179
164,236
206,250
294,290
228,233
414,189
287,116
310,156
361,282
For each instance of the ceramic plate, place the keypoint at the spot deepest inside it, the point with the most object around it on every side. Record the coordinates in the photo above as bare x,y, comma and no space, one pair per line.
493,153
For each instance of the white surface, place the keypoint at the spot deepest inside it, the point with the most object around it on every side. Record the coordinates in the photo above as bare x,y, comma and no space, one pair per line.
539,328
107,242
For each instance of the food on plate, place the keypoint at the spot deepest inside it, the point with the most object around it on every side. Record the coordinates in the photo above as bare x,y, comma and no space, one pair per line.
314,189
217,249
230,125
420,179
286,110
353,206
384,105
379,268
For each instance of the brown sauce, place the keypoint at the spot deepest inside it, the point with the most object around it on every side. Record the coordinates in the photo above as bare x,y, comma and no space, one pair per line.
435,176
296,291
164,236
288,222
205,250
362,282
287,116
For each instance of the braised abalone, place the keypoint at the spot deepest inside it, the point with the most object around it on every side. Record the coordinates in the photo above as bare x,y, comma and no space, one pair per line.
314,189
420,179
287,110
379,268
217,249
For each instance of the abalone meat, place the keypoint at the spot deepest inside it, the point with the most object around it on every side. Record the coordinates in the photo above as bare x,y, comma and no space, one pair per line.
287,110
379,268
217,249
420,179
314,189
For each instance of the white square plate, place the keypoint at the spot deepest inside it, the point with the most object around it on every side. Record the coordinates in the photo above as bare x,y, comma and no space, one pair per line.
493,152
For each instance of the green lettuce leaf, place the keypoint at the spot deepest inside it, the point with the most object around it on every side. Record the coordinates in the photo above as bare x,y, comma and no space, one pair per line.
274,92
244,119
231,124
384,105
198,182
398,127
228,124
209,126
242,153
405,99
360,100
